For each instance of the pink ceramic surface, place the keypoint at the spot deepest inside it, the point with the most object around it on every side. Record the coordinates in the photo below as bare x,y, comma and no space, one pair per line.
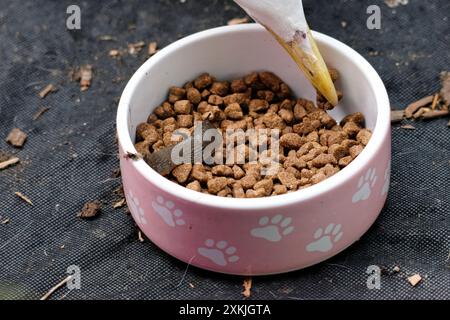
255,236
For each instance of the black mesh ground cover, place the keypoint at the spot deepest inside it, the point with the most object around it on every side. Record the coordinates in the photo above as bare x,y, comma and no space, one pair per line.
70,155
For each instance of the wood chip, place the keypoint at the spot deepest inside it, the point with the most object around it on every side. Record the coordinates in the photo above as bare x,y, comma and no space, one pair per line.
408,127
135,48
9,163
435,101
413,107
106,38
39,114
445,90
396,269
152,48
16,138
5,221
47,90
435,114
114,53
414,280
85,77
236,21
56,288
90,210
247,288
119,204
191,285
24,198
421,112
140,237
397,116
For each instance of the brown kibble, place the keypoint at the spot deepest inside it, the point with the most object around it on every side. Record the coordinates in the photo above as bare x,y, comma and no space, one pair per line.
251,79
364,136
165,111
176,94
286,115
288,180
273,121
234,112
259,193
16,138
266,185
203,81
215,100
258,105
148,132
319,177
182,172
220,88
199,173
279,189
238,191
217,184
337,151
152,118
47,90
240,98
356,117
90,210
183,107
185,120
323,159
304,128
267,95
238,86
225,192
285,91
195,185
238,172
205,94
248,181
351,129
356,150
193,95
414,279
143,148
345,161
222,170
292,141
270,80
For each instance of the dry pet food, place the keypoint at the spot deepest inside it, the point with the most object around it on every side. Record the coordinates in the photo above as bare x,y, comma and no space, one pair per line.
311,147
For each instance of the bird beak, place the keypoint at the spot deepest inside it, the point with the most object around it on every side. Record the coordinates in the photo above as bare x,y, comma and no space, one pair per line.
312,65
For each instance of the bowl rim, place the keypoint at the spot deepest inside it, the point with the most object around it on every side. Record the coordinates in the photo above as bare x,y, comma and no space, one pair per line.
380,132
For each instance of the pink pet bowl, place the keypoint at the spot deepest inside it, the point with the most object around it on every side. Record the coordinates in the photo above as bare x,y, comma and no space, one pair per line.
266,235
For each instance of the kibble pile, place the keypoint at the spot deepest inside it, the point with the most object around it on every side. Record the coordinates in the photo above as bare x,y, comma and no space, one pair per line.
313,146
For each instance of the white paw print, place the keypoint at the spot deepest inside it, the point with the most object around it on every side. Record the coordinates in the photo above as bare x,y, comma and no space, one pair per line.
325,240
221,254
387,180
273,230
166,210
365,185
136,210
